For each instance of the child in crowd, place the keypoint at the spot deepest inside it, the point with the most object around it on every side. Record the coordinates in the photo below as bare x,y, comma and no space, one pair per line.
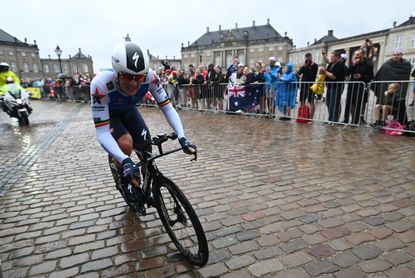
385,107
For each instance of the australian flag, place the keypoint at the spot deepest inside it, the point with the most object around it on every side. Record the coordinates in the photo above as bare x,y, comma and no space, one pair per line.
242,97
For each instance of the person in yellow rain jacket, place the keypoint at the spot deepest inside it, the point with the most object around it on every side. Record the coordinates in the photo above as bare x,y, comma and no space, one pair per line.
5,72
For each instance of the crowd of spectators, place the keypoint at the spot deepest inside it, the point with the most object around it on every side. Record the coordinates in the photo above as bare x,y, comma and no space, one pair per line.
61,88
199,87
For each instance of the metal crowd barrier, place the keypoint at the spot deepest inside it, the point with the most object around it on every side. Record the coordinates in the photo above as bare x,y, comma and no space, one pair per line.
348,103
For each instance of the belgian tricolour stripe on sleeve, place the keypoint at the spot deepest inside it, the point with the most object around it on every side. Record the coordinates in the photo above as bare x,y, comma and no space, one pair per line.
164,103
102,123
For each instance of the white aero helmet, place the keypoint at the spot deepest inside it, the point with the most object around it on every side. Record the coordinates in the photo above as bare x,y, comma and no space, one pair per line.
129,58
4,64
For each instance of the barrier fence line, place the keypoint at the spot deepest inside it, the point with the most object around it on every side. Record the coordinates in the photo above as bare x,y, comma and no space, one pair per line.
348,103
382,105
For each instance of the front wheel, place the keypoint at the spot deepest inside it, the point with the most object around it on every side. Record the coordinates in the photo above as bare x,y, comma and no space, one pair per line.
180,221
24,119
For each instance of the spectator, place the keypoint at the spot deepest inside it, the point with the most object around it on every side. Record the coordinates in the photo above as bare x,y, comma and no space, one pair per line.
368,50
308,73
387,105
259,78
197,80
287,94
182,81
272,75
413,89
68,88
192,87
233,67
218,87
210,99
361,70
336,74
396,68
165,65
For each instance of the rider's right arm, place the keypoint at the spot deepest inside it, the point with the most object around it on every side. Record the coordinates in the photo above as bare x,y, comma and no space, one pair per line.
100,114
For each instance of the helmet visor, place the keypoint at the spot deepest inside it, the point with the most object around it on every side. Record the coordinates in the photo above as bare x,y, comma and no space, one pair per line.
131,77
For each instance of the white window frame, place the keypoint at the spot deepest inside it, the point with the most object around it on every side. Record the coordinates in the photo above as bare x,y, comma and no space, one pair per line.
398,41
56,68
260,49
46,68
14,66
271,48
26,67
23,53
85,68
35,68
65,67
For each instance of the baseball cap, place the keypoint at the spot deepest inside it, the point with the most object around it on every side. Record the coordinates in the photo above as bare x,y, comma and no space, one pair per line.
397,51
344,56
272,58
241,65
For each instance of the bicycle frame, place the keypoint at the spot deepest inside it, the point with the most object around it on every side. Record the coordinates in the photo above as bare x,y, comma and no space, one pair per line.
151,168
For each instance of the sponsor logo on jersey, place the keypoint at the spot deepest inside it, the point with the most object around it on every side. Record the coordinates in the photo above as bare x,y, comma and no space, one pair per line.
110,85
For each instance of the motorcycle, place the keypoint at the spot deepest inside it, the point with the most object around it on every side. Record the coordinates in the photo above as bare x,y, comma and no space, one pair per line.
15,102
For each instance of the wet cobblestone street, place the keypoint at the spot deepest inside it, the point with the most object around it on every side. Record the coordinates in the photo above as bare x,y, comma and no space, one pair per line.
276,199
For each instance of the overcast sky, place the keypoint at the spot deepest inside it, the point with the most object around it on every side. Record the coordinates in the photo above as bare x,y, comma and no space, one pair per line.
162,26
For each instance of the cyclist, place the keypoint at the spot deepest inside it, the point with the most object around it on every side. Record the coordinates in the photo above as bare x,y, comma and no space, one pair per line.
119,125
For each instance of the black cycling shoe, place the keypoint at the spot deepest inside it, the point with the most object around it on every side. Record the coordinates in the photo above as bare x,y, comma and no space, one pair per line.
134,197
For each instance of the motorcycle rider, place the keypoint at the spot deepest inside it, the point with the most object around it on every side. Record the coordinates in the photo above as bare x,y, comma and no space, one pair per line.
119,125
5,72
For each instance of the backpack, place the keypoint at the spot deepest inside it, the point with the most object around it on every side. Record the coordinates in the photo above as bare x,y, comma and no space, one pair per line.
303,114
394,128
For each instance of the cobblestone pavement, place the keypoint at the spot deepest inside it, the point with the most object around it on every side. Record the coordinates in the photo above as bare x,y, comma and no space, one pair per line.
277,199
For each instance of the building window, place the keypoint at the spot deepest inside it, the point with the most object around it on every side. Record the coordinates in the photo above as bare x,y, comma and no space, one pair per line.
218,60
251,50
279,59
14,67
46,68
280,48
1,52
56,67
251,63
11,53
261,60
271,48
85,68
184,55
33,55
192,55
75,68
261,49
35,68
23,54
229,60
26,67
398,42
412,41
65,67
241,59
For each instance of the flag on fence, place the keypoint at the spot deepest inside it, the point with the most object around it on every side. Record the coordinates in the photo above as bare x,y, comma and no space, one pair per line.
242,97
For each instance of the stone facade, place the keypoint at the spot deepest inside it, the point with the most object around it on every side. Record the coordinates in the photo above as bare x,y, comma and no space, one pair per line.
250,44
385,41
79,63
25,61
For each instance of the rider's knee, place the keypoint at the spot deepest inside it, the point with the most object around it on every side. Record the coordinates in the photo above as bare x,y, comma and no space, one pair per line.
125,143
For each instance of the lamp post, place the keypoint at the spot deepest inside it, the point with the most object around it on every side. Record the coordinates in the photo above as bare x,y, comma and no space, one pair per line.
58,52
